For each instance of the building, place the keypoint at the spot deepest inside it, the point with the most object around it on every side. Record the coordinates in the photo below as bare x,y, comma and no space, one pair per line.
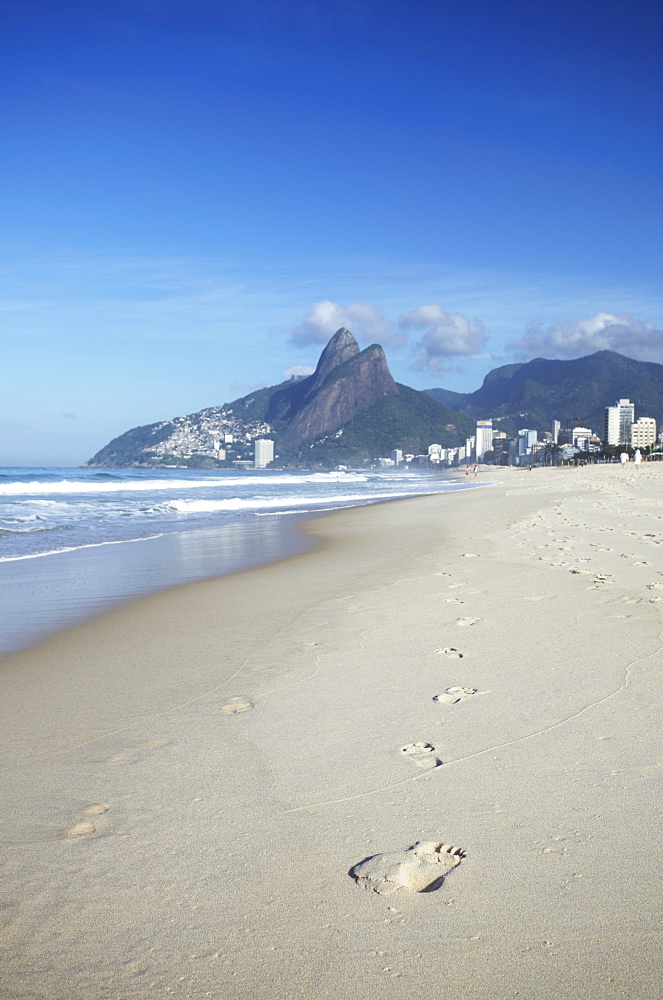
556,426
618,422
611,425
483,438
501,445
264,453
643,432
526,443
580,437
397,456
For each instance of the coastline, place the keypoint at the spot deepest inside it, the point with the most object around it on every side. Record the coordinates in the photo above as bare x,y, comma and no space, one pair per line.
196,530
191,776
49,592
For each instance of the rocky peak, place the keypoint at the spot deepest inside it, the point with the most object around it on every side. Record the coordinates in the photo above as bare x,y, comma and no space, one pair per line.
287,402
350,381
340,348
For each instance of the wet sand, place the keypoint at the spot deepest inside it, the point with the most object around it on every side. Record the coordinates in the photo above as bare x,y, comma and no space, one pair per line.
190,779
43,594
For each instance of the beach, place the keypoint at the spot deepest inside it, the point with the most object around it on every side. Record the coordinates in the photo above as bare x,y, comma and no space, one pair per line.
190,778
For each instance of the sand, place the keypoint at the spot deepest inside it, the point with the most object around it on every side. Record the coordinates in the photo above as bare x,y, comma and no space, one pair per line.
420,761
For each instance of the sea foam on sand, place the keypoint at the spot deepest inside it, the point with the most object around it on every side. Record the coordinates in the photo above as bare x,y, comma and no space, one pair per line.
198,784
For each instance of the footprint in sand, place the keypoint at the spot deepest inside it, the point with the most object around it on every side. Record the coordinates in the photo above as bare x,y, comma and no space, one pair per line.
86,827
599,581
422,754
83,829
236,705
420,868
453,695
453,600
470,555
450,652
467,621
452,586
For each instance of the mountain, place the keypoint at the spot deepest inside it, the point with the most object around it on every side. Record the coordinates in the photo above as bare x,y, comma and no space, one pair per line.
540,391
349,410
346,381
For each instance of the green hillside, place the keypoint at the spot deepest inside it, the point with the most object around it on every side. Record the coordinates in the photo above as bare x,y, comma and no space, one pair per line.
410,421
536,393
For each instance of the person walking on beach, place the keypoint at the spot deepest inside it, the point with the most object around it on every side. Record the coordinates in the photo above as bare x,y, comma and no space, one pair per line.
637,458
623,458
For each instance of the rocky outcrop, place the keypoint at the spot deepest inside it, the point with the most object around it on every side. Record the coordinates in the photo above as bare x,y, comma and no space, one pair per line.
287,402
346,382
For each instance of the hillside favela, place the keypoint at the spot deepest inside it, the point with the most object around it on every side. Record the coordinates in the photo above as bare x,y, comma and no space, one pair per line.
351,412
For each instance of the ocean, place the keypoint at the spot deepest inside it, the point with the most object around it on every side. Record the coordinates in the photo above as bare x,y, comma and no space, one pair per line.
74,542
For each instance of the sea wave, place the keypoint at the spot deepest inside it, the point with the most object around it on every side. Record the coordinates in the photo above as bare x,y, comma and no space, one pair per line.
38,487
266,503
33,531
22,518
76,548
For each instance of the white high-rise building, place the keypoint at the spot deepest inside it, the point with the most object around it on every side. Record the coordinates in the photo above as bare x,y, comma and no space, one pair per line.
580,437
611,425
397,456
555,431
618,422
526,441
483,438
264,453
643,432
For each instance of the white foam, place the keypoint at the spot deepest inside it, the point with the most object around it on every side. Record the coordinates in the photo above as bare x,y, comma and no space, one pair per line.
37,487
259,503
75,548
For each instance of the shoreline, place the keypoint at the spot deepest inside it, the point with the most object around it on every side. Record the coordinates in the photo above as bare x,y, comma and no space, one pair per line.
49,591
198,770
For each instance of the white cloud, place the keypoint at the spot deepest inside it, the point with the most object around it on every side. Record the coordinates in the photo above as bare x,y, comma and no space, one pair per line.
445,335
297,371
363,319
602,332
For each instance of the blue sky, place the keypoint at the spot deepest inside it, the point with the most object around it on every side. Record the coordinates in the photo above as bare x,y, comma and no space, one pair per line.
197,193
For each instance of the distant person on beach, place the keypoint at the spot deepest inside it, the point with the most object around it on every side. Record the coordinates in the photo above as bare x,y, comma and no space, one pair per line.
637,458
623,458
